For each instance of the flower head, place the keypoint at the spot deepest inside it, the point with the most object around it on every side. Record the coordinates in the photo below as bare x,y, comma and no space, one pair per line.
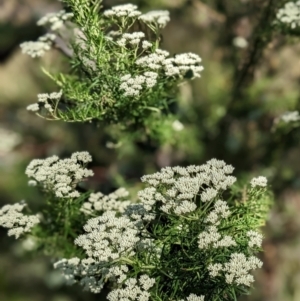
290,14
18,223
156,17
259,181
60,175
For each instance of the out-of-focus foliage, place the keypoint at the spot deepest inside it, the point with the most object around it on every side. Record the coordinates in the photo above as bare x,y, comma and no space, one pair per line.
250,78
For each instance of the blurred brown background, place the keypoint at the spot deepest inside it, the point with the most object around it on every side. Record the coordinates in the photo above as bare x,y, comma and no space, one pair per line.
248,81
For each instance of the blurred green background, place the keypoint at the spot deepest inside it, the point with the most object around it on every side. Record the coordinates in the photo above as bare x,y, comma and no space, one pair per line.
250,78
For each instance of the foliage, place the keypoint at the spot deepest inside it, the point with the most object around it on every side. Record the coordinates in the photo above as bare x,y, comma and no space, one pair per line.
189,224
118,74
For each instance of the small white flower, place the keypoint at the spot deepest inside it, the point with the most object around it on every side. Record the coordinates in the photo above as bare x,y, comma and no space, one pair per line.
177,126
124,10
43,99
255,239
159,17
34,107
259,181
35,49
208,194
237,269
212,238
220,211
38,48
60,176
240,42
154,60
32,183
289,14
17,223
290,116
193,297
115,201
29,244
84,157
214,269
9,140
49,108
133,290
146,44
133,86
55,20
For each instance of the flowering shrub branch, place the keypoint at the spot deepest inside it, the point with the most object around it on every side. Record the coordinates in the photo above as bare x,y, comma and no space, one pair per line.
193,233
118,75
190,225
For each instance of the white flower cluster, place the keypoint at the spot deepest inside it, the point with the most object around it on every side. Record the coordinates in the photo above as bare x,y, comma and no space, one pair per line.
124,10
176,66
140,212
237,269
288,117
183,185
9,140
134,85
182,63
146,44
43,99
214,269
156,17
156,62
290,14
118,273
113,240
83,271
193,297
255,239
240,42
55,20
220,211
109,237
177,126
38,48
259,181
213,239
125,39
134,290
130,38
153,61
60,175
17,222
115,201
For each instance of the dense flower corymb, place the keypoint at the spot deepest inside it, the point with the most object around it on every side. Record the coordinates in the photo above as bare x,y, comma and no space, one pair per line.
55,20
290,14
259,181
38,48
17,222
194,297
236,269
159,17
184,184
115,201
134,289
290,116
45,100
60,176
108,237
122,11
182,210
